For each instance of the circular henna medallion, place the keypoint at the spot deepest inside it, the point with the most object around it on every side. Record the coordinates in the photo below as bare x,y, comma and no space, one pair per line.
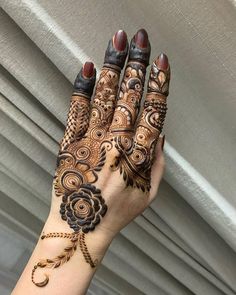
84,208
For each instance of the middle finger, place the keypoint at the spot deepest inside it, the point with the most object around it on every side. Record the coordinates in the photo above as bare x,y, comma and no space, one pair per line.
131,88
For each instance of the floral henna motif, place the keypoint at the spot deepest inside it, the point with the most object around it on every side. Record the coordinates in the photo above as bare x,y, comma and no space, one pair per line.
84,209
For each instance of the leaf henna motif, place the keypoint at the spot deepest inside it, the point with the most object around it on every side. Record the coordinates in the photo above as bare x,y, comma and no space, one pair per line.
65,256
57,261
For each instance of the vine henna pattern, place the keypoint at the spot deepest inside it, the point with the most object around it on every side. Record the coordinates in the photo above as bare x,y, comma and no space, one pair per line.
106,130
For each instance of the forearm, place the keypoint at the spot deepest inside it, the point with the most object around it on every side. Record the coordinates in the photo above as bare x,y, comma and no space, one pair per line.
72,277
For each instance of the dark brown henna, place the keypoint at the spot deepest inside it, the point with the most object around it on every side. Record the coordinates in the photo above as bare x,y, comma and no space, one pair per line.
84,208
132,165
128,103
151,122
83,153
89,141
85,251
137,154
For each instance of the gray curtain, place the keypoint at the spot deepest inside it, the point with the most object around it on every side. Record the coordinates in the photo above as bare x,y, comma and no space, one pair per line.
185,242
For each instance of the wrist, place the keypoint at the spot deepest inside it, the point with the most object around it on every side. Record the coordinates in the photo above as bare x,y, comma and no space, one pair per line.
97,241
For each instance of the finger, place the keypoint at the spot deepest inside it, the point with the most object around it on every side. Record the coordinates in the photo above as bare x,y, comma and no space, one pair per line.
78,116
131,88
157,167
151,122
107,85
153,115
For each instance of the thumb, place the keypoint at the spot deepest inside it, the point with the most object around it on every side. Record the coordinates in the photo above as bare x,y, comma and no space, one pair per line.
157,167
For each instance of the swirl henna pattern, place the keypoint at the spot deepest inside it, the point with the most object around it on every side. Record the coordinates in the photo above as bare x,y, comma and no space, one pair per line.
106,130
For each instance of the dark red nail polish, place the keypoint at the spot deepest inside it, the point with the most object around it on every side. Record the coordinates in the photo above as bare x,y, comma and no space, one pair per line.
163,142
120,40
141,38
162,62
88,69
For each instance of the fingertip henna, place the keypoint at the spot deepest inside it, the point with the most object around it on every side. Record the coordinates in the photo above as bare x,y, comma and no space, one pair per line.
140,48
88,70
162,62
159,78
84,85
120,40
115,57
141,38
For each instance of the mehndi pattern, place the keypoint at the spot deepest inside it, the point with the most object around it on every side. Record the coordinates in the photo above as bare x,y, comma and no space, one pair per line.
107,129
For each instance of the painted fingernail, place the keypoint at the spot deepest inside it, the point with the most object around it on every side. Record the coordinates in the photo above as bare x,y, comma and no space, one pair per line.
120,40
162,62
88,69
141,38
163,142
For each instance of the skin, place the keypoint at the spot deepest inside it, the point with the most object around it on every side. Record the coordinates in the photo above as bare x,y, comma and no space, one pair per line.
125,199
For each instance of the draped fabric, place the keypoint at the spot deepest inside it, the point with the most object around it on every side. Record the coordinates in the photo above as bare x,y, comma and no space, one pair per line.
185,242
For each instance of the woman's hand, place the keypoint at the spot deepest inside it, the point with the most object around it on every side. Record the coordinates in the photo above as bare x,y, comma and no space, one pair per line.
110,162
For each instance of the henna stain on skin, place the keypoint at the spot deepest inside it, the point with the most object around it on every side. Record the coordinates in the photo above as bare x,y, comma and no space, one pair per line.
91,137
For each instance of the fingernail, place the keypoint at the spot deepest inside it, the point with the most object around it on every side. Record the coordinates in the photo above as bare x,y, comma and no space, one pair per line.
120,40
88,69
162,62
141,38
163,142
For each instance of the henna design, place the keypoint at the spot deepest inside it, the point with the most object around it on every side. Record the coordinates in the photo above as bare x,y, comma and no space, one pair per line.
91,136
104,100
65,256
85,252
84,209
130,95
137,154
78,120
82,155
57,261
58,235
